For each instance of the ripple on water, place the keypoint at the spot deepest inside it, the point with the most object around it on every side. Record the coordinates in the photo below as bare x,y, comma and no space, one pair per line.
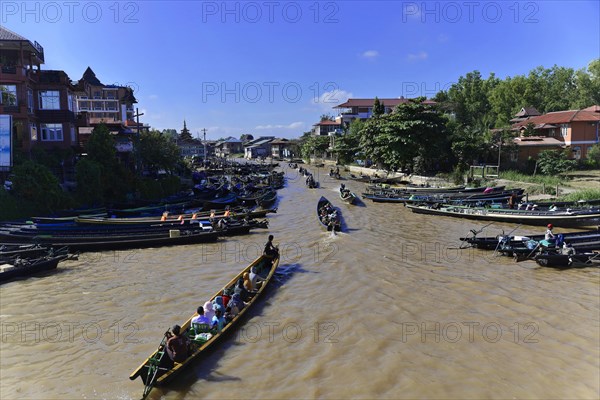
385,309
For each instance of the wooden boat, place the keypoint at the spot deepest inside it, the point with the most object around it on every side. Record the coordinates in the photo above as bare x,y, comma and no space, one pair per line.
120,242
157,371
10,251
329,219
25,267
557,218
347,196
236,212
491,242
577,260
268,199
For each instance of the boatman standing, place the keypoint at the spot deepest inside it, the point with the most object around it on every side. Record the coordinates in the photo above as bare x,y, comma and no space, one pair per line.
549,235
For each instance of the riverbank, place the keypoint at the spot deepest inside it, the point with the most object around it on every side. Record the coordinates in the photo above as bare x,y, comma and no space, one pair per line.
575,181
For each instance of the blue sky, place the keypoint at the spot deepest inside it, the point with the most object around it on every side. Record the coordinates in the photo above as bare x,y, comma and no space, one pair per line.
273,67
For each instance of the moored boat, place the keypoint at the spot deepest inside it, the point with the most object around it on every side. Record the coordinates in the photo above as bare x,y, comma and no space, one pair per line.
21,267
557,218
158,369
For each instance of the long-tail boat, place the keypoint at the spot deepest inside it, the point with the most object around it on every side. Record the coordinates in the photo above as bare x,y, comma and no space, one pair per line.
158,369
328,216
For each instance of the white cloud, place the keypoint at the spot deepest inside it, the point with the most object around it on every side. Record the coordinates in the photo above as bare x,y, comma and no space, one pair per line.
293,125
330,99
418,56
370,54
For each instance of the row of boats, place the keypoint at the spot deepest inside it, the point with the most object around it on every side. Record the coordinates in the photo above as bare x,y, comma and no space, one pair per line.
564,250
25,246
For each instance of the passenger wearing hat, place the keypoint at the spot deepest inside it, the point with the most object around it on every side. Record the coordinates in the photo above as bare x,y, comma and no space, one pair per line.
549,235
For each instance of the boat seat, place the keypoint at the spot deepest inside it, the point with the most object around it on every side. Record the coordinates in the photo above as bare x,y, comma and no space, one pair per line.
200,328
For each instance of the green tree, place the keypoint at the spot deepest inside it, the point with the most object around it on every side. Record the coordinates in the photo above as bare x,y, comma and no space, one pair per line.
378,108
593,156
101,147
35,182
468,98
314,145
411,130
348,144
158,152
588,85
88,174
185,133
554,162
327,117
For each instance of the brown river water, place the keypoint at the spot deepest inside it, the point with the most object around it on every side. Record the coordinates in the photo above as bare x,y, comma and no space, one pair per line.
389,308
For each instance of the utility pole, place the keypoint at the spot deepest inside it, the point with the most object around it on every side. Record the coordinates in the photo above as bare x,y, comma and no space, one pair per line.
136,150
204,131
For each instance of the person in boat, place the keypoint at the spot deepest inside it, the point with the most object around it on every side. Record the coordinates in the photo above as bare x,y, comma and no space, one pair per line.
229,315
200,318
512,200
218,321
270,250
177,345
549,236
227,292
242,291
236,303
222,224
553,208
208,310
255,280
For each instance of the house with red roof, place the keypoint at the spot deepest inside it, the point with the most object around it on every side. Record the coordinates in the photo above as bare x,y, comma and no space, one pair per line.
363,108
325,127
577,130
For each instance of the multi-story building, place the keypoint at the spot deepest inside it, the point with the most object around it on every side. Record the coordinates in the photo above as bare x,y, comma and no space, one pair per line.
111,105
326,127
49,110
577,130
363,108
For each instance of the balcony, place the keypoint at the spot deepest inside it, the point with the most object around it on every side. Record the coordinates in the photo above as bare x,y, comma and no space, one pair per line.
7,69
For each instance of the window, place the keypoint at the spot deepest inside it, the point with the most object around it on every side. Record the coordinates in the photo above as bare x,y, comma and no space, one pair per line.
33,132
72,133
52,132
9,95
514,156
70,102
49,100
552,132
564,129
577,152
30,101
